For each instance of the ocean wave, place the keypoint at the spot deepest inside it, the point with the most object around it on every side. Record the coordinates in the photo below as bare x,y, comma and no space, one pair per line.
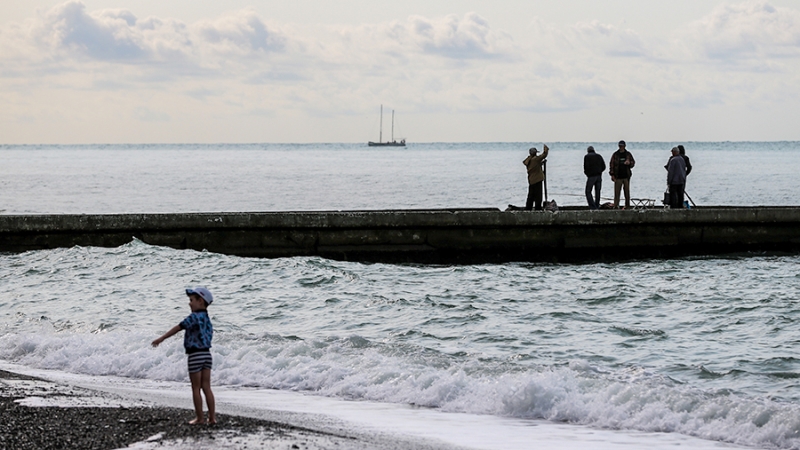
357,368
698,346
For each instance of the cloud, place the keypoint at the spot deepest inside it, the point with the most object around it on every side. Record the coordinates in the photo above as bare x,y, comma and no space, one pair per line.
452,38
469,37
746,32
246,42
241,63
589,38
68,30
734,54
243,33
750,30
110,35
611,40
106,35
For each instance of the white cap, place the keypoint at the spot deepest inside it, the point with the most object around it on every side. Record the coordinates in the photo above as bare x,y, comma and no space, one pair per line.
204,293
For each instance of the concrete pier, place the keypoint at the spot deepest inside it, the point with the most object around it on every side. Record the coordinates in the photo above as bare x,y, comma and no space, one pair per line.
458,236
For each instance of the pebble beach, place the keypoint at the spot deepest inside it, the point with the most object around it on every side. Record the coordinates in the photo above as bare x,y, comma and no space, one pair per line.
39,414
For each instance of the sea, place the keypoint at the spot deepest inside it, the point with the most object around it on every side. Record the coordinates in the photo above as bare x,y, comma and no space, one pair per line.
697,352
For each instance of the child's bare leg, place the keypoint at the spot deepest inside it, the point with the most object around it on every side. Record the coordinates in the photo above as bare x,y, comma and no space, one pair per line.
196,379
206,386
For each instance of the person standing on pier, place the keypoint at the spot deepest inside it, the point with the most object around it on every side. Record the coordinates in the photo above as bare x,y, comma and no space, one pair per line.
685,159
534,163
593,167
620,170
688,163
676,179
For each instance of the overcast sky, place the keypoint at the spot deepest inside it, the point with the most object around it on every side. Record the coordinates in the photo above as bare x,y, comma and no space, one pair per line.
125,71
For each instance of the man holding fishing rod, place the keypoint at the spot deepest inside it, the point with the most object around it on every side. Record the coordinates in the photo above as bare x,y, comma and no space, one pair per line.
534,163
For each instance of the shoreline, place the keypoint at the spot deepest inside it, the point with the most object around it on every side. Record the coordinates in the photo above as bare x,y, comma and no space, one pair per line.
41,411
36,413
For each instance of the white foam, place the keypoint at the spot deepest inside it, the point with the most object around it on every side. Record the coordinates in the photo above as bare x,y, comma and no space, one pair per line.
365,417
348,369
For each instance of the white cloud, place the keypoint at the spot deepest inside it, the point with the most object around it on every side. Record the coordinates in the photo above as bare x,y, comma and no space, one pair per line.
242,65
118,36
106,35
244,33
469,37
69,31
110,35
750,30
441,42
593,37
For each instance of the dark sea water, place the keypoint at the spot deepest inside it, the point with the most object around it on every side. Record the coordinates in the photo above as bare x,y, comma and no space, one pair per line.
705,347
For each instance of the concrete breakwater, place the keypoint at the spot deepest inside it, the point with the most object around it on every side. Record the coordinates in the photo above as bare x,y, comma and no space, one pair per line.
426,236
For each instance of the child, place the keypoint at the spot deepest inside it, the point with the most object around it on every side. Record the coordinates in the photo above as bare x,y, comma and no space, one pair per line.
197,341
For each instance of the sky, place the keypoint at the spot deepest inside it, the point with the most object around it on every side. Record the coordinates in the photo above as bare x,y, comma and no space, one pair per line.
201,71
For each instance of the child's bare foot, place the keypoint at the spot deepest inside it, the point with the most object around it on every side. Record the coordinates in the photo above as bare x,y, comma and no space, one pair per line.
197,422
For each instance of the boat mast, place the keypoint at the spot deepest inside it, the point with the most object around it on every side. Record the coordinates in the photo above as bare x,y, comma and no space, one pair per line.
392,125
380,134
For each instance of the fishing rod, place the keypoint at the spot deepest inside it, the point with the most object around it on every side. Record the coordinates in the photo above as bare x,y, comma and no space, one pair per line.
544,172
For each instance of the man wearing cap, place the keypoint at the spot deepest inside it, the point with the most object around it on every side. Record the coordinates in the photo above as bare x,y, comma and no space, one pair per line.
534,163
593,167
620,170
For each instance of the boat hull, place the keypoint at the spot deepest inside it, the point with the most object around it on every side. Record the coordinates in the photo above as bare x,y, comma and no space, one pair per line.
386,144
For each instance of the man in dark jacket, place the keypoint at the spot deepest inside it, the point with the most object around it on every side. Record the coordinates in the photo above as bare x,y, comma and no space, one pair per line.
676,179
685,159
620,170
593,167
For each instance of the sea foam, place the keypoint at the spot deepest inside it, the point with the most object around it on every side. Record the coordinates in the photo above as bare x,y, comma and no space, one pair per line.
354,368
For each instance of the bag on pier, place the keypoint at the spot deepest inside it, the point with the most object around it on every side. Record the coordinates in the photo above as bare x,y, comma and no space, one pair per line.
550,206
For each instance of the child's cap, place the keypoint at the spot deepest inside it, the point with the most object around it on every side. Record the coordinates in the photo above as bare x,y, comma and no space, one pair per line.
204,293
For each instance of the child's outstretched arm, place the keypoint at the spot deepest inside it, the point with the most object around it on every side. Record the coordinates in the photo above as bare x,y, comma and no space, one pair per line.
169,333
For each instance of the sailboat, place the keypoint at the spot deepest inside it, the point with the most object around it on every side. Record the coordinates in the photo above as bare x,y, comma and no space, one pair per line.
391,143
